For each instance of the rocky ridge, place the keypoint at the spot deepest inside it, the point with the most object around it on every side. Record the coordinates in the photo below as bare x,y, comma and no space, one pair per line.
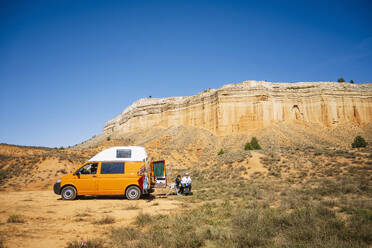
250,106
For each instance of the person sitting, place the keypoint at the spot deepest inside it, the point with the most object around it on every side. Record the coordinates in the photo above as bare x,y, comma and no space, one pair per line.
176,185
93,169
186,183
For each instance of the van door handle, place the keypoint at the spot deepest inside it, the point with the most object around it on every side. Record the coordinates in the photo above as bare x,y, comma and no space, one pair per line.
94,176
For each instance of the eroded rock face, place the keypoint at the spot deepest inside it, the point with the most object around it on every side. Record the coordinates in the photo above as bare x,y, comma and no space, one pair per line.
251,105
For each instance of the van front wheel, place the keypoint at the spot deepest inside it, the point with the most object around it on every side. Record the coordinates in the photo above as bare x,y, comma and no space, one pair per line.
133,193
68,193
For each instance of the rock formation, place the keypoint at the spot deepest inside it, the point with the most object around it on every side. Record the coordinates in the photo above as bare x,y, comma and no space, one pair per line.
251,105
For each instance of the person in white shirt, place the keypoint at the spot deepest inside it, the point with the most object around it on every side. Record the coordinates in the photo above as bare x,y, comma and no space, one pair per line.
186,183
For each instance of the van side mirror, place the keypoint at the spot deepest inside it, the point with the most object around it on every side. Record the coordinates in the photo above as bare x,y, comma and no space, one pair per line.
77,173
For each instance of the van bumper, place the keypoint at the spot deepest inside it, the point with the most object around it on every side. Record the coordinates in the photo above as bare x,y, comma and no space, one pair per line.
57,188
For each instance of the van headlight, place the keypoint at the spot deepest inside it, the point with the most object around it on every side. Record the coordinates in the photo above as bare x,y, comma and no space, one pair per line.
59,180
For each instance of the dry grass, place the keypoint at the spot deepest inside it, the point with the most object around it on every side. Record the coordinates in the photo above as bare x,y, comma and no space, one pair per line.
15,218
310,197
143,219
312,203
90,243
132,207
105,220
2,245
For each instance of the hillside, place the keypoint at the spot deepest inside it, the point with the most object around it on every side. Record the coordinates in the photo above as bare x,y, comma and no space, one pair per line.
275,197
306,188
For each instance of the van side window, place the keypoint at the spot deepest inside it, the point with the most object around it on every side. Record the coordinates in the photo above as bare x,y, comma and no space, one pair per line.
112,168
123,153
90,168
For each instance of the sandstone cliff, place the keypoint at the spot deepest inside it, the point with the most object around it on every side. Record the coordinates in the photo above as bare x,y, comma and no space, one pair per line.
251,105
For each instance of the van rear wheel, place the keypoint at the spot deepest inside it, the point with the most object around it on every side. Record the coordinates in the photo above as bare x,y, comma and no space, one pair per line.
133,193
68,193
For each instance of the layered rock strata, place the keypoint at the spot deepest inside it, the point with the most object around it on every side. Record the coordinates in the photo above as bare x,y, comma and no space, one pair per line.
251,105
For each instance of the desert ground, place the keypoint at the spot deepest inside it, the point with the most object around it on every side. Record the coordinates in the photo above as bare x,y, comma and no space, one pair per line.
291,193
45,220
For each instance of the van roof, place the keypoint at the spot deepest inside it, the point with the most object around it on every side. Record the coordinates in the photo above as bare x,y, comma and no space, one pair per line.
121,153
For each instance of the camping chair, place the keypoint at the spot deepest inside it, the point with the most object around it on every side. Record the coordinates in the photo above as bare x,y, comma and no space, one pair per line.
186,189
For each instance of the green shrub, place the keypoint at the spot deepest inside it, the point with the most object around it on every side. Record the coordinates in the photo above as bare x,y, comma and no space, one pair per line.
248,146
220,152
341,80
359,142
254,143
351,81
108,138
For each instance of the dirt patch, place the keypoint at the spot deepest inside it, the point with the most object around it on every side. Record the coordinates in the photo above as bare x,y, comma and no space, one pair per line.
255,166
52,222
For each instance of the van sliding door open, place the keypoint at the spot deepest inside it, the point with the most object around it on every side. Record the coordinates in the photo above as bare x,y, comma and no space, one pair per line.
158,175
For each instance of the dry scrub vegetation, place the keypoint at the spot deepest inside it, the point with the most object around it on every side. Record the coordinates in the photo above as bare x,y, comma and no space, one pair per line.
293,195
308,197
36,167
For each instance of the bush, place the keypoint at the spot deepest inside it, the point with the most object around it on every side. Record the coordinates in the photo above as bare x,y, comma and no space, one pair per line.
15,218
248,146
253,145
220,152
359,141
108,138
351,81
341,80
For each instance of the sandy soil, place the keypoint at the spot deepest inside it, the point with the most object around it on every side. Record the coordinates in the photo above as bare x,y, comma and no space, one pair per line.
52,222
255,165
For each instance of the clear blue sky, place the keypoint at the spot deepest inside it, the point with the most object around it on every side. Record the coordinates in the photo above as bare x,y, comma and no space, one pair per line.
67,67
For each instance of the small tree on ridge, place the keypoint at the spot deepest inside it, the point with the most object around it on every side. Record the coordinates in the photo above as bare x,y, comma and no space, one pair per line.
253,145
359,141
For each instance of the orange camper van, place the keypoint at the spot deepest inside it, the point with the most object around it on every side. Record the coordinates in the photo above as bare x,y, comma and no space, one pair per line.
115,171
